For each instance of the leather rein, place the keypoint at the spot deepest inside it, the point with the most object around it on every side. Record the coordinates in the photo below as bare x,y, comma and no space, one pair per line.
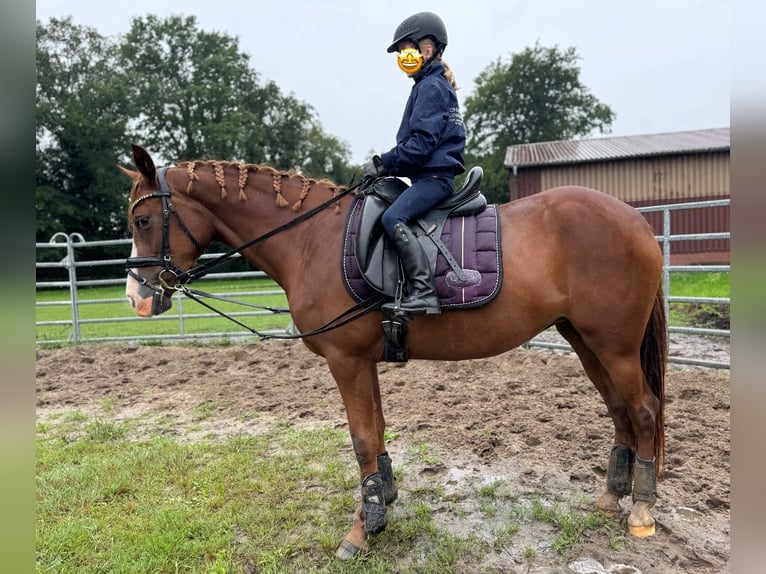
180,279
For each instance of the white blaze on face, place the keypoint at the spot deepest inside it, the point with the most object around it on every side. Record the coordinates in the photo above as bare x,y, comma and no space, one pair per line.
142,305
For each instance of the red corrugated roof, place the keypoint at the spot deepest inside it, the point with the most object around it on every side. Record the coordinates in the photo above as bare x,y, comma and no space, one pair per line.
581,151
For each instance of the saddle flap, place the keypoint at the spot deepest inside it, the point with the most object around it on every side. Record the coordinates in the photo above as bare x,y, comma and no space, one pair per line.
370,228
377,261
382,271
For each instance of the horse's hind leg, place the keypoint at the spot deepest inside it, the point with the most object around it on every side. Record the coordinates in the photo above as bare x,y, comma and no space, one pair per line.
620,467
631,389
632,411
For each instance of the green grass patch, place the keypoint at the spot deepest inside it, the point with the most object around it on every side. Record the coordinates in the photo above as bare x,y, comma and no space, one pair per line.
572,520
700,284
421,451
108,501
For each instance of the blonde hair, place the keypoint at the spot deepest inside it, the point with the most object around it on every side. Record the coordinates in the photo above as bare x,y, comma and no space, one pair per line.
448,73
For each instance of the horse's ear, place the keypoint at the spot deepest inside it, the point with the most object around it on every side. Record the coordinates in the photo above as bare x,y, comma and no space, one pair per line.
144,163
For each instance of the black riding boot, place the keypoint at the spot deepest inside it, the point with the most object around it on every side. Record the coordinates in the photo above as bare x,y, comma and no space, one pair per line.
421,296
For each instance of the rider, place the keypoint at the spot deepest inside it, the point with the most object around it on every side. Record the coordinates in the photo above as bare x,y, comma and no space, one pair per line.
429,149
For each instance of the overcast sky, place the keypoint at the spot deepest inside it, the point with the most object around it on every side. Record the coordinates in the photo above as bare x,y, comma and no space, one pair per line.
661,65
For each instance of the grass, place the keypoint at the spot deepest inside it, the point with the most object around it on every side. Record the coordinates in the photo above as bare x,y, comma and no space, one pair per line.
111,501
706,315
422,452
123,496
572,520
693,284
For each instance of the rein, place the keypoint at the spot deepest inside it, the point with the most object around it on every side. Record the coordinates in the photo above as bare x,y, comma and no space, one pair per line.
183,278
351,314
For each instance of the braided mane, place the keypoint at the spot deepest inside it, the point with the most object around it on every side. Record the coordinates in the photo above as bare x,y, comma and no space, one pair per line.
245,169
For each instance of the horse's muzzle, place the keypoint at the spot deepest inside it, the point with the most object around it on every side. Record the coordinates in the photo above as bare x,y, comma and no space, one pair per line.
146,300
160,303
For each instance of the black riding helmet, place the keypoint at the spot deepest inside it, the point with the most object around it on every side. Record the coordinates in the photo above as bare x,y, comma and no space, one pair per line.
419,26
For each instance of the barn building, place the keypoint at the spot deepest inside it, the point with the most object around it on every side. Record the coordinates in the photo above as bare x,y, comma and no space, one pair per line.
641,170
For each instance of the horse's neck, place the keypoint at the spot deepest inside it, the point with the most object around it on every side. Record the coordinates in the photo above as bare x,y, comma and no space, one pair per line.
244,205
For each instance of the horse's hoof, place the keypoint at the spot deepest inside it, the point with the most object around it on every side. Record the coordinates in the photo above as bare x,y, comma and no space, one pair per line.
348,550
641,528
641,531
608,504
640,522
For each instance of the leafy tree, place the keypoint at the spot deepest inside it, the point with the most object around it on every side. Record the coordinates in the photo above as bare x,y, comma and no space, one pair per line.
195,97
180,91
533,96
80,133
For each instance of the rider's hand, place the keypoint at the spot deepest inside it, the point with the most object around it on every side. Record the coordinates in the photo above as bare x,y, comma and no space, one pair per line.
373,167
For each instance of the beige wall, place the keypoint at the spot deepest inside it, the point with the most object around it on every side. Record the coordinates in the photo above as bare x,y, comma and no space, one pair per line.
680,177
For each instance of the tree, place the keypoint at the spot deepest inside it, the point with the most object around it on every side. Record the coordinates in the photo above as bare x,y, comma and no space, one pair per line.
533,96
183,92
80,133
196,97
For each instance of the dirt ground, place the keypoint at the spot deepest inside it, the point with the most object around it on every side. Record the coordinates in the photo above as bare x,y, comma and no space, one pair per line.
528,417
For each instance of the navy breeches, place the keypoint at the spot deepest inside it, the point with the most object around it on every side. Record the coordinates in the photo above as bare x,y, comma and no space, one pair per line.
425,193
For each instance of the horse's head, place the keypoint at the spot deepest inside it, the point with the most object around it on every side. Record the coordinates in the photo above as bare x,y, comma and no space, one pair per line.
165,240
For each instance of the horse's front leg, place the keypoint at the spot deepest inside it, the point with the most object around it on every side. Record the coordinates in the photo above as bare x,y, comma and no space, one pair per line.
385,465
357,380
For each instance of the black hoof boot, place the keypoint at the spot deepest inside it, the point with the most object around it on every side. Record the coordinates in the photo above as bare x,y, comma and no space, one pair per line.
374,504
390,493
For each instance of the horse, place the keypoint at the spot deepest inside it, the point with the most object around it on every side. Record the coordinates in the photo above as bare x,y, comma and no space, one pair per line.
574,258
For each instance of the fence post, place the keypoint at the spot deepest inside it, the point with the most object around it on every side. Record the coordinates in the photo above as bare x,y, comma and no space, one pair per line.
666,261
180,307
70,262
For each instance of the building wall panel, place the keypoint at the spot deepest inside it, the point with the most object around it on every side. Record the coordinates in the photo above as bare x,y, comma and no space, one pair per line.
675,178
652,181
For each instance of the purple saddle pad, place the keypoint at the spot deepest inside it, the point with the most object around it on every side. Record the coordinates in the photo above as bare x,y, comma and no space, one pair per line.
473,241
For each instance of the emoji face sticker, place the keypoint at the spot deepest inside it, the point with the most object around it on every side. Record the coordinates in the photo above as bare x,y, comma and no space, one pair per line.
410,60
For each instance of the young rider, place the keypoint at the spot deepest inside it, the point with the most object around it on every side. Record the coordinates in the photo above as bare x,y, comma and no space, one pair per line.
429,149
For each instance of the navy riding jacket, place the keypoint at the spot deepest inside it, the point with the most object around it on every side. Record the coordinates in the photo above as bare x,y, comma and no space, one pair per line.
431,136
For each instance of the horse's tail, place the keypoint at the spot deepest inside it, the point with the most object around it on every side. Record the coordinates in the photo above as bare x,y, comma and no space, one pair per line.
654,358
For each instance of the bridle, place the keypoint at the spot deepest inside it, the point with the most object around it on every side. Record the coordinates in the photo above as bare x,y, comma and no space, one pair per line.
179,277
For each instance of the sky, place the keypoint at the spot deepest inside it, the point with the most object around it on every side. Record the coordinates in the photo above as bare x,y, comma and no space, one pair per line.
660,65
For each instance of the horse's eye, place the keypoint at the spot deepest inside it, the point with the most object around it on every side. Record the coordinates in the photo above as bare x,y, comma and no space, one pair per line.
141,222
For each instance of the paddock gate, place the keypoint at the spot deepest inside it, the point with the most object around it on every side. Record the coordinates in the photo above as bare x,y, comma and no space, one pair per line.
70,286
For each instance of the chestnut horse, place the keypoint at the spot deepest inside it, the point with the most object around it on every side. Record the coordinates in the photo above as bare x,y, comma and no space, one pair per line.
573,257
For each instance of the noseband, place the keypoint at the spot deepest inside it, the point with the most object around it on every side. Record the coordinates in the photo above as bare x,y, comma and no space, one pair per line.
179,277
